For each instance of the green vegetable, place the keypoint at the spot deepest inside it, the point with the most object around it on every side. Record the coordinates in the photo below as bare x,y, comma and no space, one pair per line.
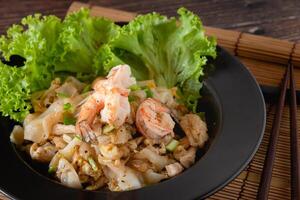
51,170
171,53
67,106
34,40
135,87
14,93
51,48
93,164
68,119
86,88
172,145
78,137
156,47
148,92
80,38
108,128
131,98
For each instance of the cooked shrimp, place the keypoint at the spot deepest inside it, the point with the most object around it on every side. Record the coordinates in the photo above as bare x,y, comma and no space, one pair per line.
120,77
87,115
110,97
153,119
116,109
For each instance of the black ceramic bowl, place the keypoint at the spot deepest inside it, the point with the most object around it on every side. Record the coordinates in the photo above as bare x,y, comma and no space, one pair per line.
235,114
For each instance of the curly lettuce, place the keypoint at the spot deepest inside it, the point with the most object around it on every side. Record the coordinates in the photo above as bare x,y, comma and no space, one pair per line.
171,52
14,92
51,48
34,40
79,41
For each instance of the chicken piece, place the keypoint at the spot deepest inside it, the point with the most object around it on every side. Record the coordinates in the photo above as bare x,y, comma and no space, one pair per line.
121,135
174,169
139,165
43,153
195,129
185,157
153,157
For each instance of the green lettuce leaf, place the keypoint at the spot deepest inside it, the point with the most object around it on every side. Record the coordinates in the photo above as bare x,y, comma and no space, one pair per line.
51,48
14,92
79,42
171,52
34,40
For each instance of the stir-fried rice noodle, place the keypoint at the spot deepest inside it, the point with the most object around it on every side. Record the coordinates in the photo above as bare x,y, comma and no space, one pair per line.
117,134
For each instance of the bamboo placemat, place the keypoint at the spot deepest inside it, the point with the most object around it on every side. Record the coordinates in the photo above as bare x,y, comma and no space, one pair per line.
266,58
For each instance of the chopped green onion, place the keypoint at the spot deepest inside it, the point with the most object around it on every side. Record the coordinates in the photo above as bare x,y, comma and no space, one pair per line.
67,106
134,87
93,164
78,137
62,95
69,119
148,92
172,145
86,88
131,98
51,170
108,128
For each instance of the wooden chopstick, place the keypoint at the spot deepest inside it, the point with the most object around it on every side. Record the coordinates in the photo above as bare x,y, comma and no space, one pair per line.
266,175
295,160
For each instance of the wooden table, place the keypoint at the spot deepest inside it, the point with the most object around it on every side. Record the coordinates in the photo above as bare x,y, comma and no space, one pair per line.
277,18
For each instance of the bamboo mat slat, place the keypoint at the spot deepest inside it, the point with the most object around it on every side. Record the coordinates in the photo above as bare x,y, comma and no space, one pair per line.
266,60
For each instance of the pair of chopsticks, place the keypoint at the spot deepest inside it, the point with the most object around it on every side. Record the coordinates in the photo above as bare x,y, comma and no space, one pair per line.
270,157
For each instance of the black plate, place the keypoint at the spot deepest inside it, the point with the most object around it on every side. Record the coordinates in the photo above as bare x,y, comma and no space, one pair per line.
235,113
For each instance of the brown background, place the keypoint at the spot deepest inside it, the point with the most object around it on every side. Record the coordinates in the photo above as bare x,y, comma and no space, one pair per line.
276,18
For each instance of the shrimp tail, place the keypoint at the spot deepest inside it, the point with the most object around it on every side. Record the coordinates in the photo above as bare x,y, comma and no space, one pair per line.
86,118
84,129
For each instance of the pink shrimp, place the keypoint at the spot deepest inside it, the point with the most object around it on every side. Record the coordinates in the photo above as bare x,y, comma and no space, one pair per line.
153,119
110,99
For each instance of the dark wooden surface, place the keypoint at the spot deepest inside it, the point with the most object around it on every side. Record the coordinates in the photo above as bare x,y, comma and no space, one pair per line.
275,18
